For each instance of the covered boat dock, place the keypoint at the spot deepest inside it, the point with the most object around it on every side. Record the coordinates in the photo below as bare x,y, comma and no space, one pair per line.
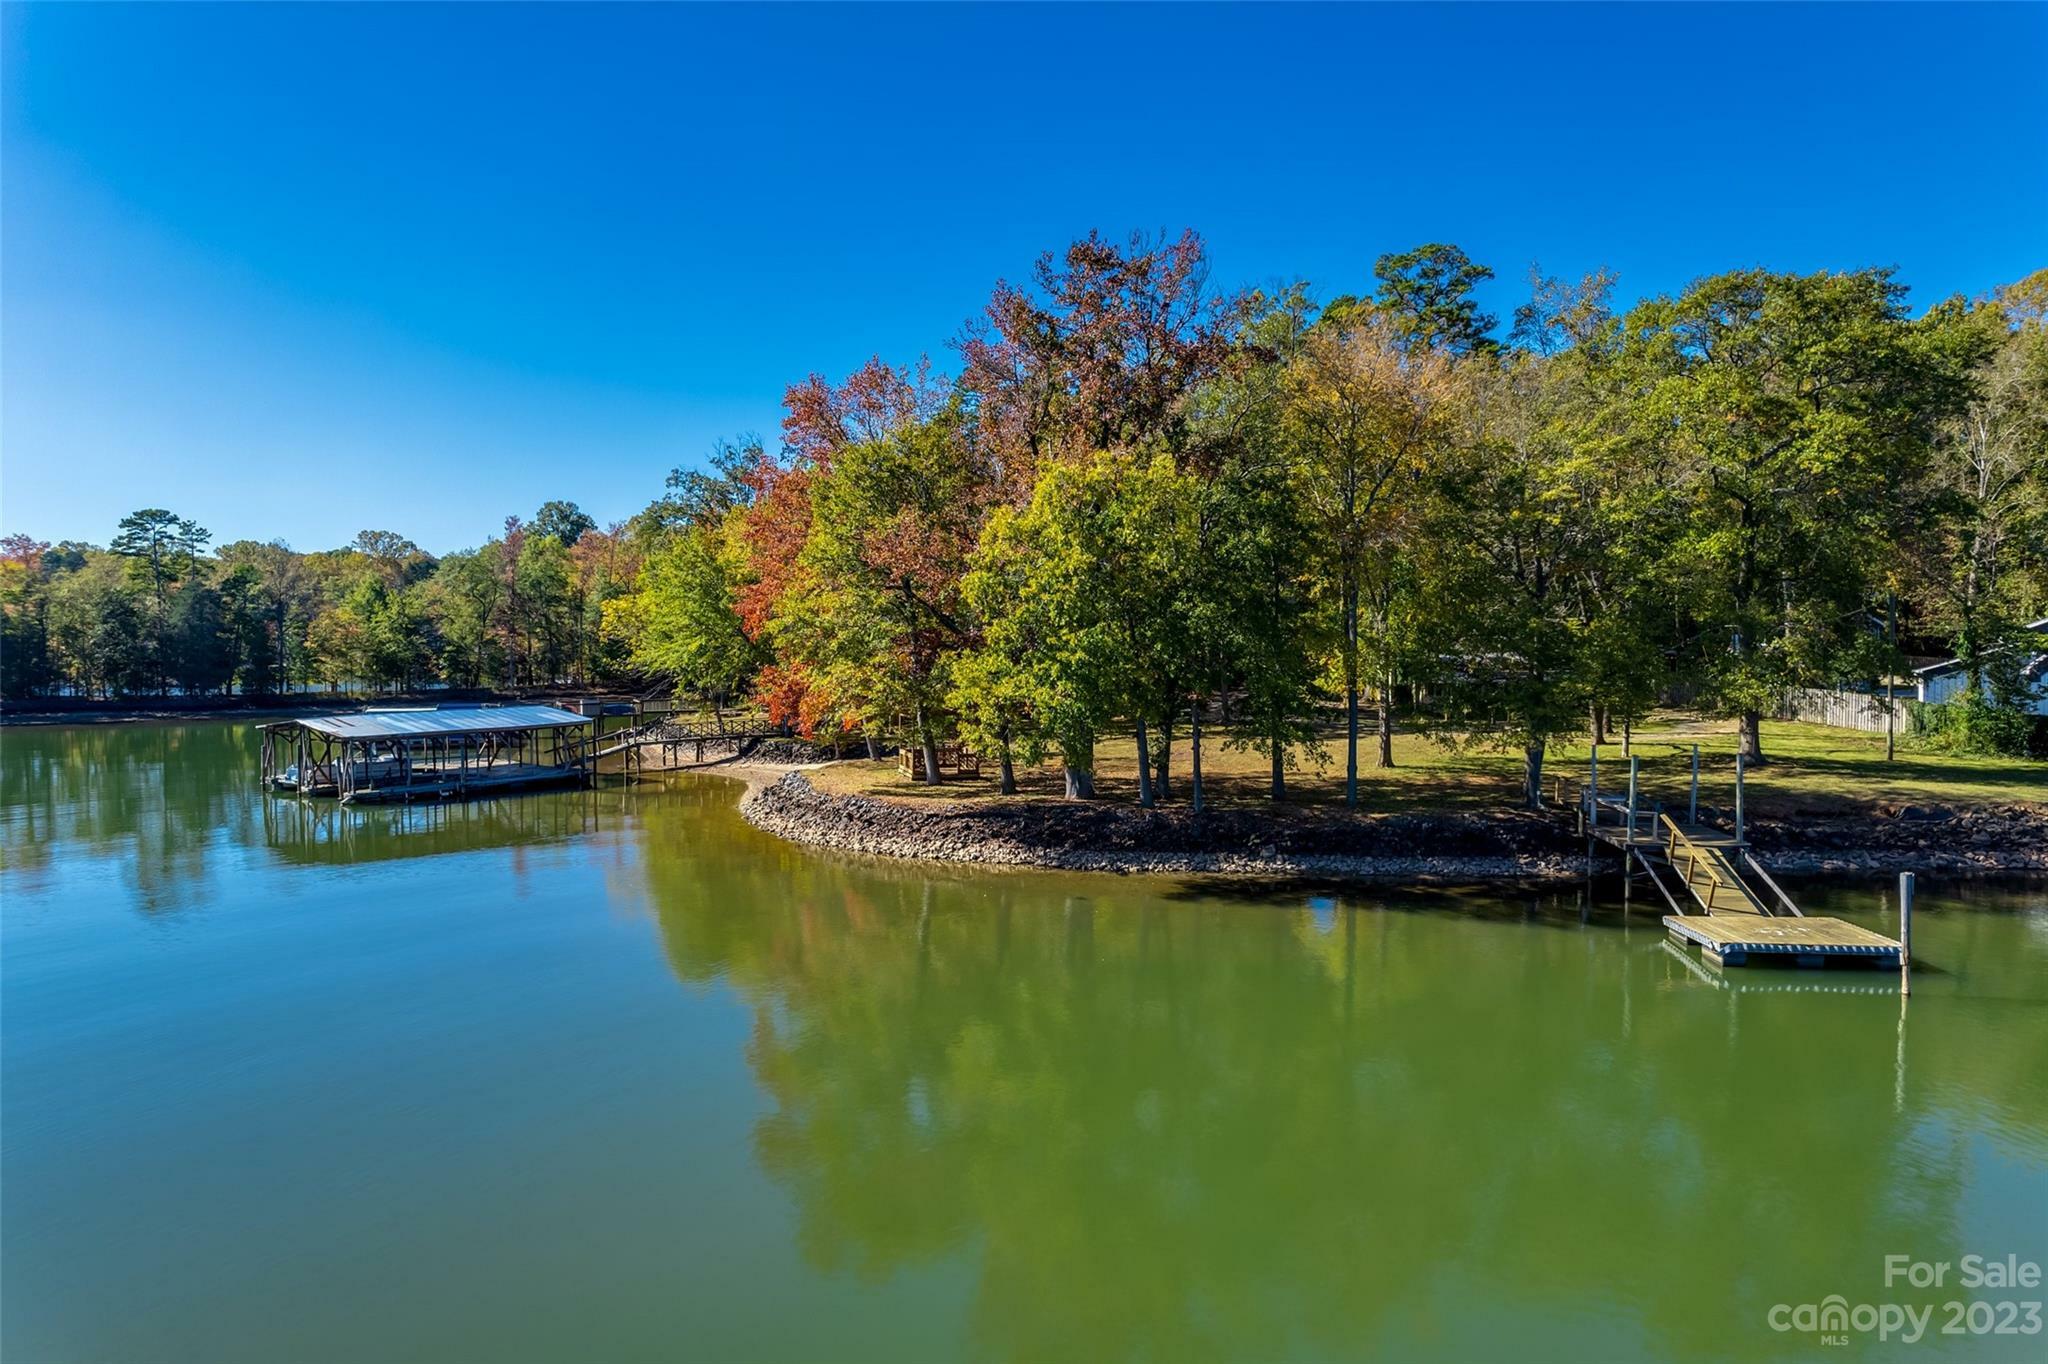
427,752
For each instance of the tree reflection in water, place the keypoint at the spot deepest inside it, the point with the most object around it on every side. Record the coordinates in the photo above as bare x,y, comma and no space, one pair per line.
1173,1126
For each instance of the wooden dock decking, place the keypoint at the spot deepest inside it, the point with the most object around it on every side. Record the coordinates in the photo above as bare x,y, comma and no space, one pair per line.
1730,939
1732,919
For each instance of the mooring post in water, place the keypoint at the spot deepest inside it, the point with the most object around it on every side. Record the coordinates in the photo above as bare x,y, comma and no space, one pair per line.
1738,797
1692,809
1905,932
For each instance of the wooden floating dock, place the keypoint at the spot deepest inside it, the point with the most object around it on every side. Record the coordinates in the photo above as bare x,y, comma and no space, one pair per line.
1738,912
1731,939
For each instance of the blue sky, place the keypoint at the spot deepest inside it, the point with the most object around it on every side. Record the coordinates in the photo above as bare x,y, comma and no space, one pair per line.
300,270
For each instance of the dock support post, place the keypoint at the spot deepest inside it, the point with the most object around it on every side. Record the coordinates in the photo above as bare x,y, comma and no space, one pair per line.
1692,809
1632,762
1905,932
1738,797
1592,807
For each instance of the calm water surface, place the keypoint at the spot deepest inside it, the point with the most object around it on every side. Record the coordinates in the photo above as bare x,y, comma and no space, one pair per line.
610,1076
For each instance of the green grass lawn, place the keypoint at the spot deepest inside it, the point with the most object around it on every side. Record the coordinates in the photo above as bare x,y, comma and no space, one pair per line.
1813,769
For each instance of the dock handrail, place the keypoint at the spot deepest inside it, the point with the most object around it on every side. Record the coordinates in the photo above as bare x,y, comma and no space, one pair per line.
1676,842
1711,866
1650,871
1776,890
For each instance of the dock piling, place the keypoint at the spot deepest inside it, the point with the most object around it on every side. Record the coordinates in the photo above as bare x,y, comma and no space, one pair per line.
1592,806
1739,765
1633,761
1905,932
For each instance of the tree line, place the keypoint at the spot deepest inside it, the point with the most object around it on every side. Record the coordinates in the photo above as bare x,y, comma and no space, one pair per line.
1146,504
1256,518
157,612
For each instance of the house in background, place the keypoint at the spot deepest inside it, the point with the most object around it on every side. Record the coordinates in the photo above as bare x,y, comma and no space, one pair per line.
1947,681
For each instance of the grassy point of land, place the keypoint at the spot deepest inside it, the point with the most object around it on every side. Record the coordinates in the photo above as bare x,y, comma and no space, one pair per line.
1813,770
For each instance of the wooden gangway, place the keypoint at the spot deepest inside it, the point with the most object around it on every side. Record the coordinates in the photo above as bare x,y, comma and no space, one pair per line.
671,733
1737,910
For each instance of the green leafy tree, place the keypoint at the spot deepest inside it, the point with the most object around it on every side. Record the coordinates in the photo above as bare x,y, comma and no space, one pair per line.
544,608
1505,568
1049,648
565,521
97,629
245,629
1981,568
1778,407
1425,298
468,593
162,549
682,623
201,655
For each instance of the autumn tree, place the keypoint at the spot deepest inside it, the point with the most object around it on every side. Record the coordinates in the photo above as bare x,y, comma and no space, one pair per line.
1099,354
1365,415
875,614
396,559
820,421
26,666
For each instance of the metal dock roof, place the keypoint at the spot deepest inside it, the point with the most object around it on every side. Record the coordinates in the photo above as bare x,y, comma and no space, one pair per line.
396,724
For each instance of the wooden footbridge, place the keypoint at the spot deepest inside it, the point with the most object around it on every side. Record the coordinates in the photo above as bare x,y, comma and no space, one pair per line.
670,735
1725,903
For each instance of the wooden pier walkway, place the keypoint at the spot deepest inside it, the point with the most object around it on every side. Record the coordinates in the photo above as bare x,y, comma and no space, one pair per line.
1737,910
672,734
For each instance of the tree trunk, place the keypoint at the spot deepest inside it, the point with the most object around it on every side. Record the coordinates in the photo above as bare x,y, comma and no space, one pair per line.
1628,736
1891,666
1532,776
1279,770
1080,769
1144,766
1350,741
1351,698
1750,741
1386,720
927,741
1195,755
1162,762
1006,771
1599,723
869,739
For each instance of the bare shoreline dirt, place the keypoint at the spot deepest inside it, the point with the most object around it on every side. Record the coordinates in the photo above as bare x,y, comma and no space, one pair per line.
1512,845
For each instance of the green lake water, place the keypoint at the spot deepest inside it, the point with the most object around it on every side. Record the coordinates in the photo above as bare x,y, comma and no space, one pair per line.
609,1075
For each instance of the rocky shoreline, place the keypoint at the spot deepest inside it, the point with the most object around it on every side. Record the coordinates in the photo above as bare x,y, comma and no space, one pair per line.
1500,845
